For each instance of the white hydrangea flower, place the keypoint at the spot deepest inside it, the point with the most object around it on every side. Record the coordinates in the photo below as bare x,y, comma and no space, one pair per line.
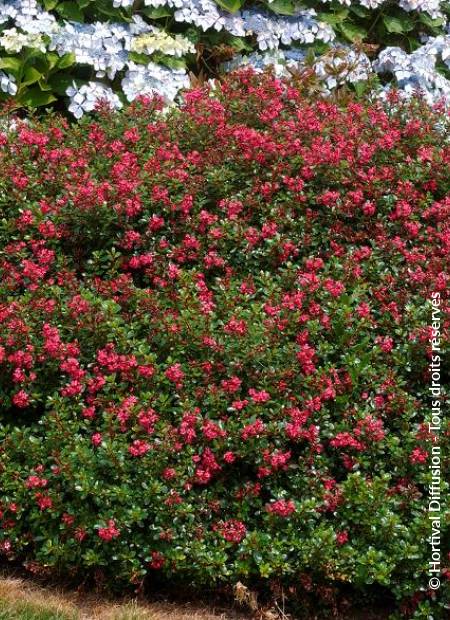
29,7
267,31
170,3
85,98
8,83
92,44
432,7
153,79
301,27
138,25
275,59
14,41
344,2
204,14
158,40
268,28
27,15
417,72
371,4
8,11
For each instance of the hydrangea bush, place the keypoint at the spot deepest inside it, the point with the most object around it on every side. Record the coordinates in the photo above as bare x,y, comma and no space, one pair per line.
119,49
214,342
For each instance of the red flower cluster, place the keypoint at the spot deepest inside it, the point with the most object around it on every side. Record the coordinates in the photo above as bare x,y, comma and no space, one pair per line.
110,532
282,508
233,531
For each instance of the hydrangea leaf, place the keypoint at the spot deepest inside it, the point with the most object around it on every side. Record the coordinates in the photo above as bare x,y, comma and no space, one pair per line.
31,75
13,64
157,12
398,25
35,97
282,7
352,32
70,11
230,5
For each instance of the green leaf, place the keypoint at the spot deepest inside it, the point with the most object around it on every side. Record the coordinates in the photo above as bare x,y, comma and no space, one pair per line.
282,7
398,25
333,18
51,59
11,64
240,44
352,32
230,5
44,85
30,76
49,5
35,97
425,19
173,63
71,11
140,59
360,11
361,87
156,12
66,61
106,8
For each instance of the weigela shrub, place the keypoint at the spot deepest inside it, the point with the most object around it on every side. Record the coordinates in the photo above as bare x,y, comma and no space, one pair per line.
215,341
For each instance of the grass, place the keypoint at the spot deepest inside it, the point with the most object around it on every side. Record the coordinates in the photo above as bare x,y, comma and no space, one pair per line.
23,600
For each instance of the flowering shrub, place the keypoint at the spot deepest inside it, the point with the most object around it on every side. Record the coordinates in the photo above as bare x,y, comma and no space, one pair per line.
119,49
214,341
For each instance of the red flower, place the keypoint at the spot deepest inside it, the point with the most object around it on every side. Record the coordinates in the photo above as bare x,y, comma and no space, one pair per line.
138,448
229,457
96,439
233,531
43,501
418,455
157,561
110,532
231,385
341,538
281,507
21,399
175,374
259,396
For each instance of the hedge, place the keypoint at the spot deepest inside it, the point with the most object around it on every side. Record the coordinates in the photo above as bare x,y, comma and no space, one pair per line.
215,342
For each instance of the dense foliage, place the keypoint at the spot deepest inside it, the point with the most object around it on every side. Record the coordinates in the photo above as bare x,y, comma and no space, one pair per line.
214,341
78,52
